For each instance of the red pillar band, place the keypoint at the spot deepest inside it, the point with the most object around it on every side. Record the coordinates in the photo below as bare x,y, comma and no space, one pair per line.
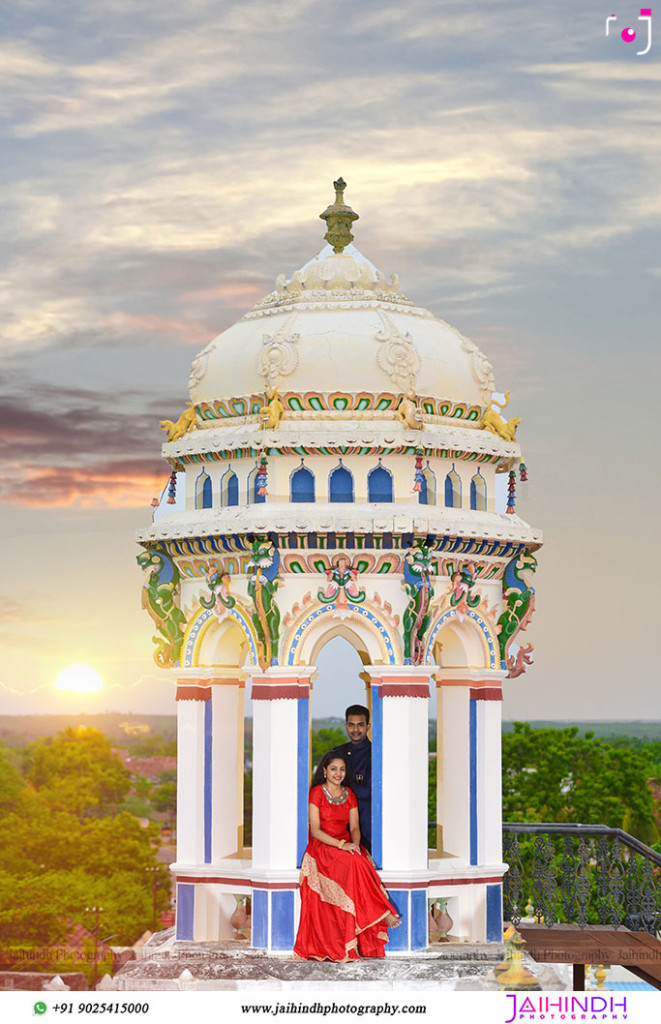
404,689
279,691
486,693
195,690
280,687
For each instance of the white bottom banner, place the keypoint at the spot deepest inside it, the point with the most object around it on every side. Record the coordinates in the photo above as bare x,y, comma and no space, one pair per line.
251,1006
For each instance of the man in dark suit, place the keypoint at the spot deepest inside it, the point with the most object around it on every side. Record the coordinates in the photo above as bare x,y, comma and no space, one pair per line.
358,753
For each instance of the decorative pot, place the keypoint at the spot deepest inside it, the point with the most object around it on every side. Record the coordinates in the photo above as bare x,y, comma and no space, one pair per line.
443,920
240,918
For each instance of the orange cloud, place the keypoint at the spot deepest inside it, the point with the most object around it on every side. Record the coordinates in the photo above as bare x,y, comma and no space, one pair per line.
238,291
191,332
129,485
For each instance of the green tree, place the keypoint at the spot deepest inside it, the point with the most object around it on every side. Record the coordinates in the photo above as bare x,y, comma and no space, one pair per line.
39,910
164,799
326,739
77,770
649,748
11,782
63,850
54,865
151,746
142,786
557,775
431,799
247,808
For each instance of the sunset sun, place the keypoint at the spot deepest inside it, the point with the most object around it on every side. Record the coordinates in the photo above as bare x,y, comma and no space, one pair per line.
79,679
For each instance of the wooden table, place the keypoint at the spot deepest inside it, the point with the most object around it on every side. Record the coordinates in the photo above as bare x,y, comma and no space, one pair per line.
639,952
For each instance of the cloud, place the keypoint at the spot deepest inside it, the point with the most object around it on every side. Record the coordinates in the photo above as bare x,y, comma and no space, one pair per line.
233,123
248,291
605,72
74,424
12,612
81,448
189,332
150,70
121,484
144,681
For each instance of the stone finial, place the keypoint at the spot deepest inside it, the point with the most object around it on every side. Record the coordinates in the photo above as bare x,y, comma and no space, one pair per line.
55,985
339,218
186,982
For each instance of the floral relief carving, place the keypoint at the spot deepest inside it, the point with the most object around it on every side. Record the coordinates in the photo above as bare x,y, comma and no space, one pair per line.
198,367
397,355
279,355
481,367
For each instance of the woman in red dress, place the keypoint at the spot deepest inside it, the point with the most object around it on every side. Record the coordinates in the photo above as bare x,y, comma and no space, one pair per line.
345,911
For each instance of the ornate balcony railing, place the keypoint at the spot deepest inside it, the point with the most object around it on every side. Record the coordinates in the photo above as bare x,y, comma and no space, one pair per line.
580,874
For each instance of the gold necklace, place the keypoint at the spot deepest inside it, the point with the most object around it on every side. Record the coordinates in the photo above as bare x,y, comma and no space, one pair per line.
336,799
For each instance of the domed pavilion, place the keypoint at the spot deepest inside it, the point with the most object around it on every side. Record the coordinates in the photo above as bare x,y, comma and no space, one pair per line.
341,455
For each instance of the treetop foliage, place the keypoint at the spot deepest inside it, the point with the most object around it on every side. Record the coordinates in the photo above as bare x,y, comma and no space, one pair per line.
63,848
325,739
11,782
555,775
77,770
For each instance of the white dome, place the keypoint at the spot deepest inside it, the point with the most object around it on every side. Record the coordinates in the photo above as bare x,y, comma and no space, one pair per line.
339,326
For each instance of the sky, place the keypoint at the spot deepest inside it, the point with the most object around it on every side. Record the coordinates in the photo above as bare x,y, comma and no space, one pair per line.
163,164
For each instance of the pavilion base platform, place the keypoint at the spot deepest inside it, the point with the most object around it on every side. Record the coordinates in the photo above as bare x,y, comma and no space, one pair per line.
169,965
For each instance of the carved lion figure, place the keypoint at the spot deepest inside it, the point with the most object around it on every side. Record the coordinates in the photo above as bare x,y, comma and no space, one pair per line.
185,423
272,411
495,423
407,412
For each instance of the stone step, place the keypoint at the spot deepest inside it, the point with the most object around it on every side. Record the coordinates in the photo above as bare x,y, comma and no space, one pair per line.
229,966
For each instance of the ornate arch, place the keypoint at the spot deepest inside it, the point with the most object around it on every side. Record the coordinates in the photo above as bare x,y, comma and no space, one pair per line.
481,626
376,636
200,624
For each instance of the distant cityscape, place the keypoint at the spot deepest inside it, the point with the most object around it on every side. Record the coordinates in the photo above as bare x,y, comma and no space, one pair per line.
17,730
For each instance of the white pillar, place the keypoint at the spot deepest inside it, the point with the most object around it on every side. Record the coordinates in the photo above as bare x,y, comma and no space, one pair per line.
227,764
281,729
453,768
192,698
403,693
278,796
489,774
469,763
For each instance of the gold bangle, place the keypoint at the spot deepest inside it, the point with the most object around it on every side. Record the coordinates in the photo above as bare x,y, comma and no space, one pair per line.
342,842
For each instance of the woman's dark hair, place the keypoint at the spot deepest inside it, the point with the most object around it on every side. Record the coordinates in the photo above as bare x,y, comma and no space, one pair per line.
336,754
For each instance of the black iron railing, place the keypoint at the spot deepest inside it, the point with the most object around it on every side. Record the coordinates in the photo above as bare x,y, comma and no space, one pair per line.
580,874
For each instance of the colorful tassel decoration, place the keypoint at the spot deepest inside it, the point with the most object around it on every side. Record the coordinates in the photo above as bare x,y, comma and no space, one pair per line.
172,489
511,493
419,478
262,476
523,472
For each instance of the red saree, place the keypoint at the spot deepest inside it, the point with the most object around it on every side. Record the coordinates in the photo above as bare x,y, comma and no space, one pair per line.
343,903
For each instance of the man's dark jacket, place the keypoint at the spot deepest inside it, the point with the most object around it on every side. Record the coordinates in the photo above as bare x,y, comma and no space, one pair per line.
359,779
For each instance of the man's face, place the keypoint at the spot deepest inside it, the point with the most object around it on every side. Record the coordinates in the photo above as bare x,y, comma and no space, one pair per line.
356,726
